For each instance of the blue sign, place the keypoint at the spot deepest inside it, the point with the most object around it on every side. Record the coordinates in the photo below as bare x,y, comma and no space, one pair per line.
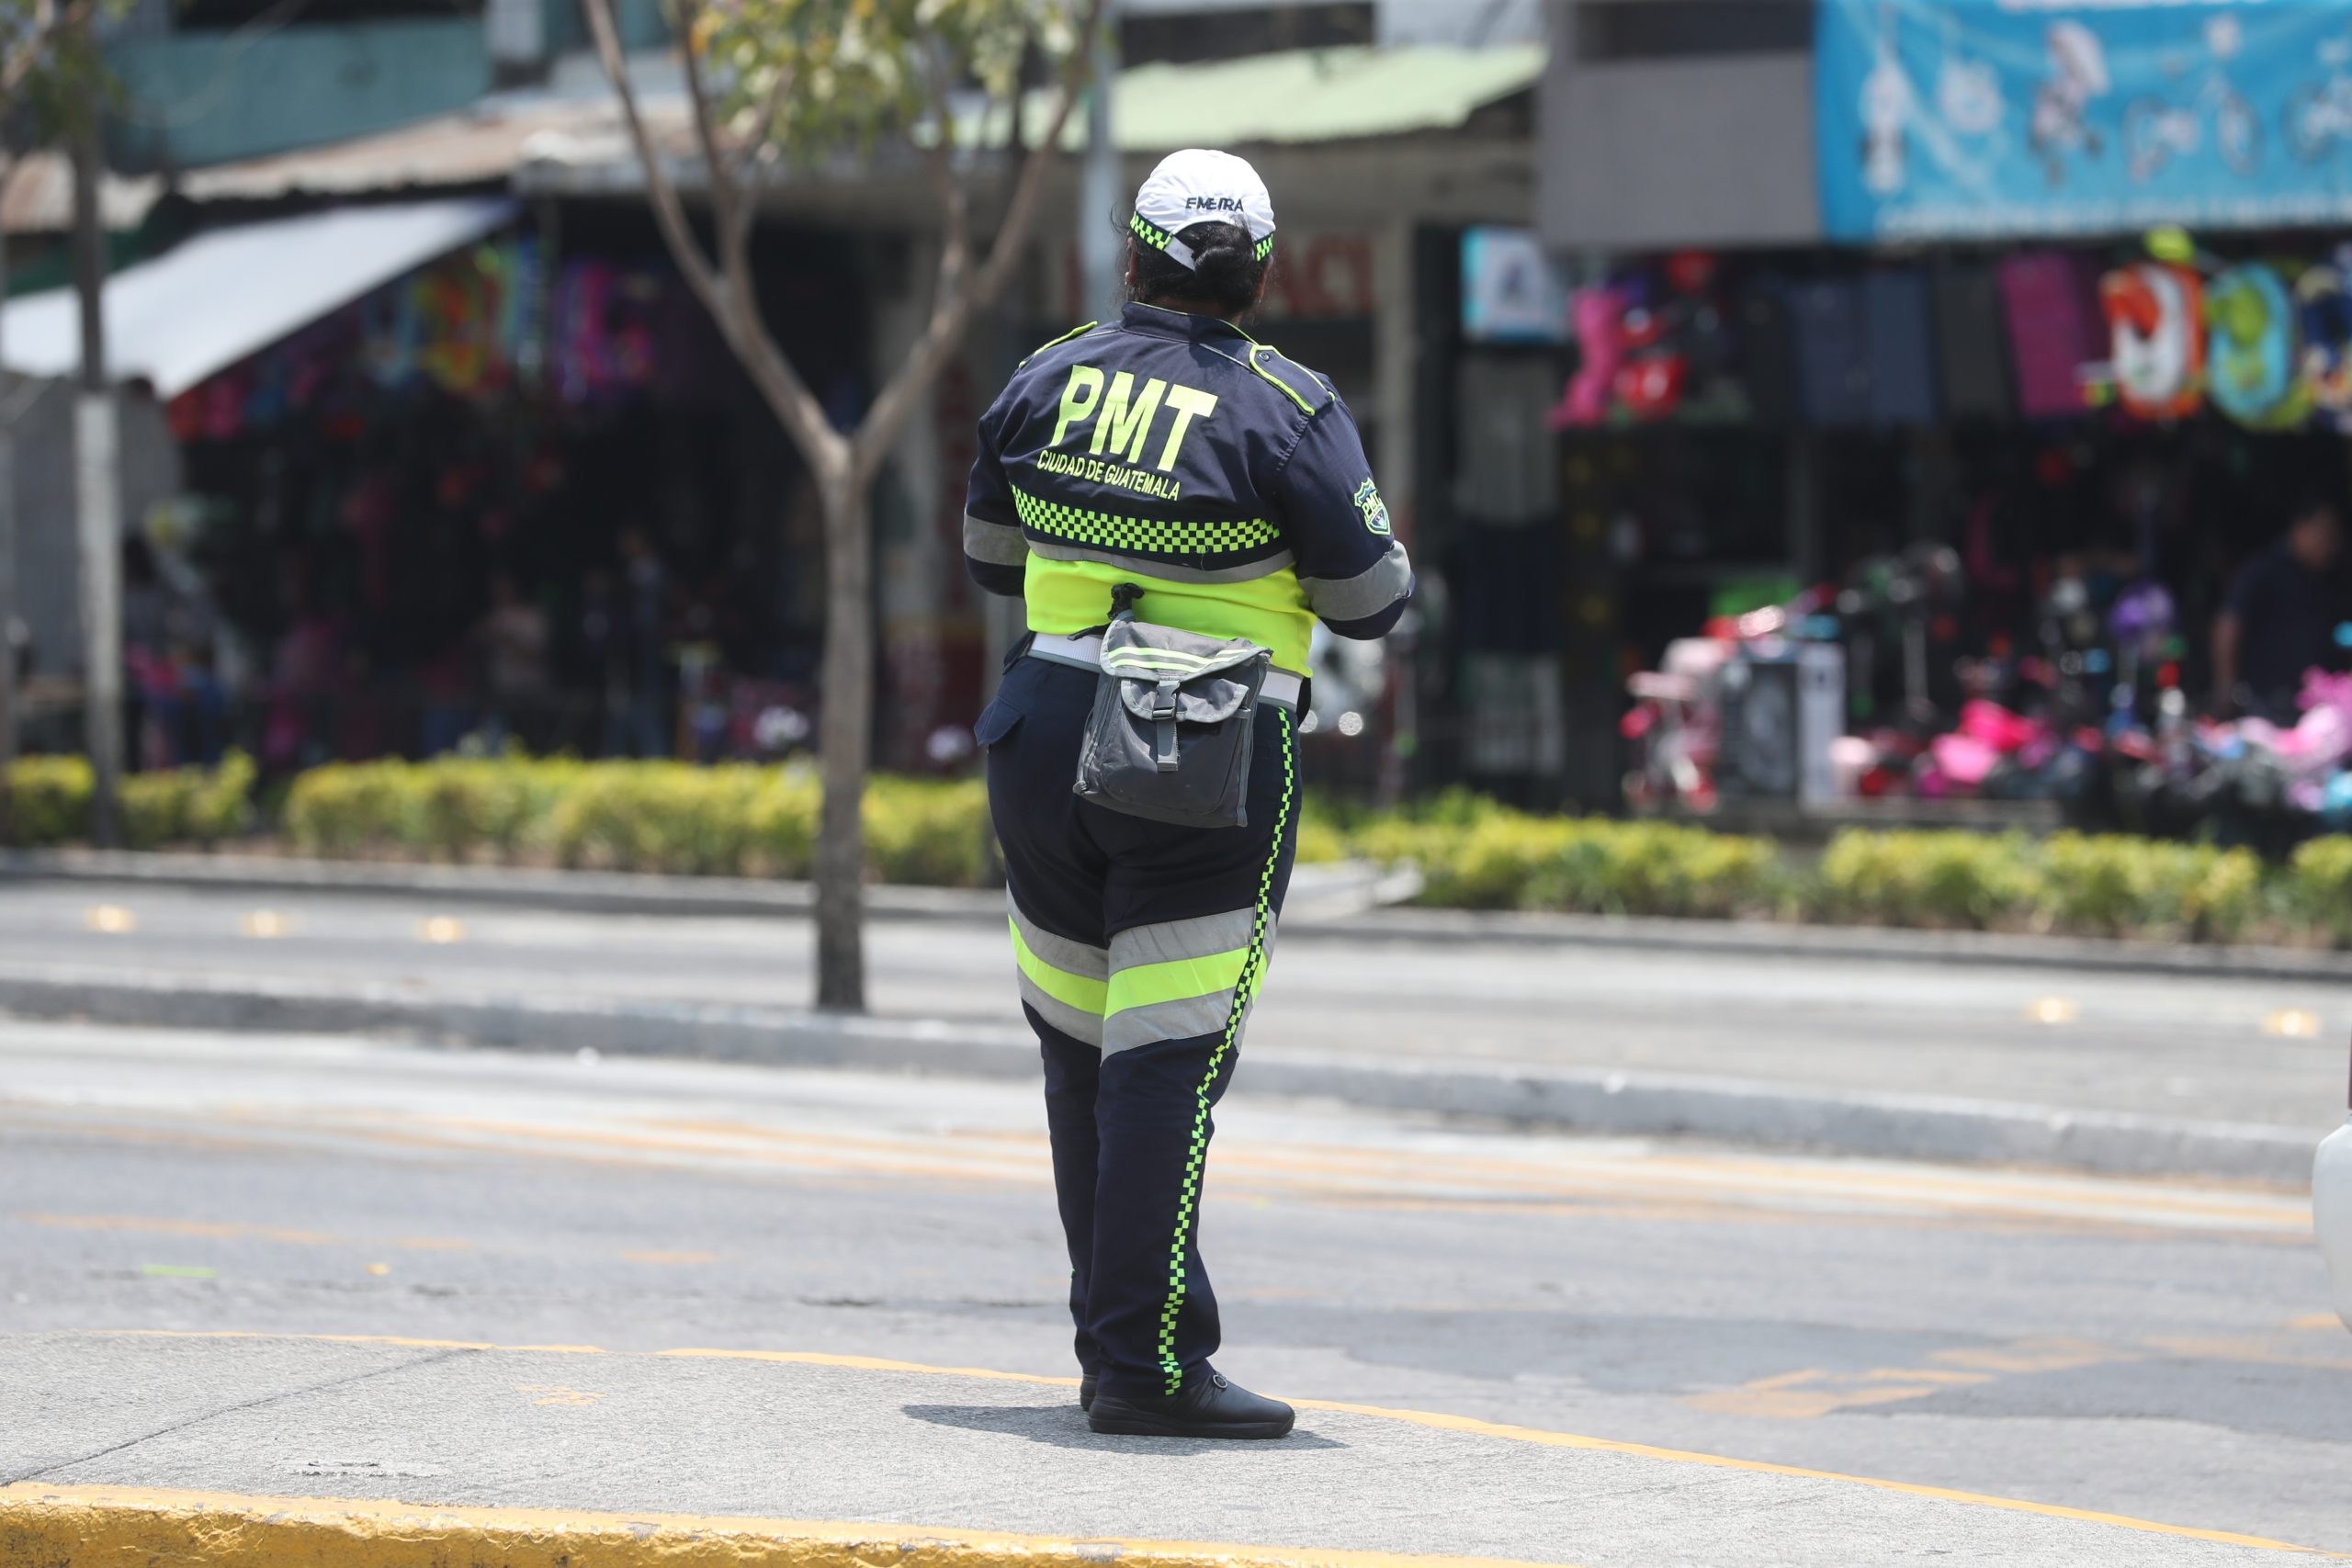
1963,119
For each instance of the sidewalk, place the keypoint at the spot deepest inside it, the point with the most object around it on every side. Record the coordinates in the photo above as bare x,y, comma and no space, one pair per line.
202,1448
1349,900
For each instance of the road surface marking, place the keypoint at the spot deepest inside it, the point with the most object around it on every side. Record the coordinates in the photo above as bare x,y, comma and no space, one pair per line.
1431,1420
1802,1396
216,1229
1823,1391
1719,1462
679,1257
556,1393
178,1271
1596,1184
146,1524
111,919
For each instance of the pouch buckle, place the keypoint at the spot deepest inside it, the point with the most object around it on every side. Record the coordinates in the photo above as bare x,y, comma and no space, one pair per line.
1163,714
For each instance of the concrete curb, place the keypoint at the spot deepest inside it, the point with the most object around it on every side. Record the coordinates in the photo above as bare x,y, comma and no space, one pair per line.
1346,902
1891,1126
98,1527
1756,939
580,892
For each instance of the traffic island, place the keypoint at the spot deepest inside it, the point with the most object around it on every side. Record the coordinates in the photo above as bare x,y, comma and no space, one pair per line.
375,1453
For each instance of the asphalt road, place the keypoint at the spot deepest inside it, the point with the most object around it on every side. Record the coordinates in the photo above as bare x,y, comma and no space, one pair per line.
2156,1350
2236,1050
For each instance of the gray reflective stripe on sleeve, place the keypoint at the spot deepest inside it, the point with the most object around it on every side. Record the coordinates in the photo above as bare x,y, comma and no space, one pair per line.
1176,980
998,544
1366,593
1246,573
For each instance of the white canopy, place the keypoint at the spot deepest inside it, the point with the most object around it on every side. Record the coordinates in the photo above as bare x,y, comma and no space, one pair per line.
227,293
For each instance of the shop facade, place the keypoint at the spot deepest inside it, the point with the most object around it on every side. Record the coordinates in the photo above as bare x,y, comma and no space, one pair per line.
516,492
1984,426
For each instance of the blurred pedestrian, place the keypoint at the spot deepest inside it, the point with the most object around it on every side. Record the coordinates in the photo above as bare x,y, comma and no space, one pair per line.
624,624
514,639
2282,616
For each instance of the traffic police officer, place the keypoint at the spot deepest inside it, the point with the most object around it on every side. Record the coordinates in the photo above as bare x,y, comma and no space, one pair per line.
1172,451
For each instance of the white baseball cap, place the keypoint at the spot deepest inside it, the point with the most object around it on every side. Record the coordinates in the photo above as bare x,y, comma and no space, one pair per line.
1198,185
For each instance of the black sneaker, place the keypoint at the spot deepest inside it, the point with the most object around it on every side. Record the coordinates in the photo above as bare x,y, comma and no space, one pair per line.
1210,1407
1086,1392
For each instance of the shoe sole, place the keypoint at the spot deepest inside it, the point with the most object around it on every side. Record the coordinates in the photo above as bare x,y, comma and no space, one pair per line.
1148,1427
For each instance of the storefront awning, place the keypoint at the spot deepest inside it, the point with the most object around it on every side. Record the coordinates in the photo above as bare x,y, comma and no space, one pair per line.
229,292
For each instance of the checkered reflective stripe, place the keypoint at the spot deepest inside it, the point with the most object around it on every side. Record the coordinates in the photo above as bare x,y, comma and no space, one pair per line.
1244,991
1150,234
1154,537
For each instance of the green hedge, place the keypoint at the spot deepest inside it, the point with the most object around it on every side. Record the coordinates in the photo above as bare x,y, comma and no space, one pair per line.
741,819
1486,856
49,802
734,819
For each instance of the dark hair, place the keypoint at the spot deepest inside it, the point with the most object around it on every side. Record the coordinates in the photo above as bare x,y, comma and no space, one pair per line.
1227,272
2309,504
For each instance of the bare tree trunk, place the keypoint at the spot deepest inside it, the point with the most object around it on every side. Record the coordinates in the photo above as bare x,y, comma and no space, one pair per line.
720,275
97,503
844,737
7,560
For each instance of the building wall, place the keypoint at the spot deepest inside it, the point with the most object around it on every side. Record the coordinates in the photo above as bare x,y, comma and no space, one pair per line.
1683,147
214,96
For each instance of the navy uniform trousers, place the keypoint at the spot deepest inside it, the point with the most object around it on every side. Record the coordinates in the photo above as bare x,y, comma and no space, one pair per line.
1140,947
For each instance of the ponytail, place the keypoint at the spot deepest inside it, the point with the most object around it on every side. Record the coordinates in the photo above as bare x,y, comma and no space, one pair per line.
1227,270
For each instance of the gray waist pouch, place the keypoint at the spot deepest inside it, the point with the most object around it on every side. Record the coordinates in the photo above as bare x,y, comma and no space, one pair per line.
1171,730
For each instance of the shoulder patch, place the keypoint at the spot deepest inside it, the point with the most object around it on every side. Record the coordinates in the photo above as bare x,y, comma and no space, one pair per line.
1295,380
1076,332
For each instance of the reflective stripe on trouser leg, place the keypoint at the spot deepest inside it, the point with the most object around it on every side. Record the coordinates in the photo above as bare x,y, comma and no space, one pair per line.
1245,990
1065,981
1176,980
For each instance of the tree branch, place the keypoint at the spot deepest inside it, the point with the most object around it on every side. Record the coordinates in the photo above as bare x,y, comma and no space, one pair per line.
955,199
727,213
669,212
891,408
47,25
771,106
724,289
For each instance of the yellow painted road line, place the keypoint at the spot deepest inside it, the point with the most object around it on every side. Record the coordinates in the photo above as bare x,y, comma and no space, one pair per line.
1604,1196
1431,1420
605,1138
866,1364
1823,1390
1733,1174
124,1526
1717,1461
144,1224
